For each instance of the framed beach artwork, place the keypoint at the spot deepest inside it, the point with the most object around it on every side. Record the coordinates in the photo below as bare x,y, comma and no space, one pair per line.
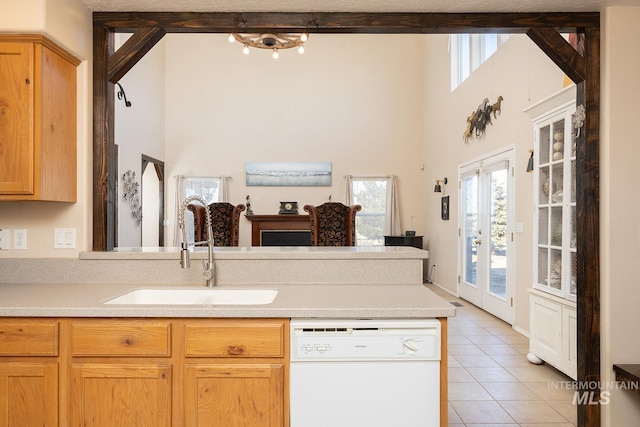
310,174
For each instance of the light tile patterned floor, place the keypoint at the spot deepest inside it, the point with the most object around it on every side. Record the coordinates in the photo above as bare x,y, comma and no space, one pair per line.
491,383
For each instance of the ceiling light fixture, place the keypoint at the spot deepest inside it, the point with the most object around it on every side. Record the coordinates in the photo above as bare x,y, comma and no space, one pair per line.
273,42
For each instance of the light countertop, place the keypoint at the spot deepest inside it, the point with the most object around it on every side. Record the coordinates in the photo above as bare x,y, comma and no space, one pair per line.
292,301
265,253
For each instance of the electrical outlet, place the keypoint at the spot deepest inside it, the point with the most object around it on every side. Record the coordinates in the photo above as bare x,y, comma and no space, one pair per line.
20,239
4,239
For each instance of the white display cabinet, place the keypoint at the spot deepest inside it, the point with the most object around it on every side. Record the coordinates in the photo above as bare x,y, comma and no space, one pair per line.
554,255
554,232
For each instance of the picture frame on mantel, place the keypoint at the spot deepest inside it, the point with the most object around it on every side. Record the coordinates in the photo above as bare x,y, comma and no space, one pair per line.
444,208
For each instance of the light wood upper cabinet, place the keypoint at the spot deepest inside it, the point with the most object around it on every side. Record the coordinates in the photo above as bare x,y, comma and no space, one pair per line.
38,109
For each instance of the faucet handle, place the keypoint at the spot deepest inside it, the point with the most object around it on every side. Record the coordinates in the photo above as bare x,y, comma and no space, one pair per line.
208,272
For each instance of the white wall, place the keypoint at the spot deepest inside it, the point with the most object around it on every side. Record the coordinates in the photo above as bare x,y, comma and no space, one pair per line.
355,101
67,22
523,75
620,207
139,129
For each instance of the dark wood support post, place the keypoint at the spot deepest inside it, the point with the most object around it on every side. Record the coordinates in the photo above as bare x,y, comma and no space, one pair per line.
588,219
104,180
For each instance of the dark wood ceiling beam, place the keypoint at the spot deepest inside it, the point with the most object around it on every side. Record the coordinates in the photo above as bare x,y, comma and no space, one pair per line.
560,52
323,22
133,50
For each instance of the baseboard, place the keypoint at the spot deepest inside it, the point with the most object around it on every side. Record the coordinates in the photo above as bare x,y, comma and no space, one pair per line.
447,290
519,330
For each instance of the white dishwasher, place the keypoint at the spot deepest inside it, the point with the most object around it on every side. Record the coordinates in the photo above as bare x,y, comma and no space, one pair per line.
365,373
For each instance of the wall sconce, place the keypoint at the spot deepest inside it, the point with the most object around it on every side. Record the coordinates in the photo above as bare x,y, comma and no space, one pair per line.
530,162
121,95
439,184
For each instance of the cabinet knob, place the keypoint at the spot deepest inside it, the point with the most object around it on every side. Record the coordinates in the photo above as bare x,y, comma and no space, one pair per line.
477,242
235,350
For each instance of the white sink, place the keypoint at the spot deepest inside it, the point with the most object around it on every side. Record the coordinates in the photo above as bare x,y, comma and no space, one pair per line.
196,297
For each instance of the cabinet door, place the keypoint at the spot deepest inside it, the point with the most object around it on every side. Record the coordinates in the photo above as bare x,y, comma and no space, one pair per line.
16,118
546,329
121,395
28,394
238,395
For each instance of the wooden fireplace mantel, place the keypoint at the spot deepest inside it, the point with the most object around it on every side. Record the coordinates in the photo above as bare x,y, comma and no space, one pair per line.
281,222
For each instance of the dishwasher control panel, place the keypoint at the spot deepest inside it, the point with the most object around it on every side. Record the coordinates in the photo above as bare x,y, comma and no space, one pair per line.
331,339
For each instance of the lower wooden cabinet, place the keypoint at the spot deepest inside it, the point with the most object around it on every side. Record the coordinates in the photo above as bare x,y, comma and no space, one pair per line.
118,394
29,372
244,395
28,394
144,372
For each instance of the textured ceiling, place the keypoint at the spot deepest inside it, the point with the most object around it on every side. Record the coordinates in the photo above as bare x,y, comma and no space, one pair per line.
352,5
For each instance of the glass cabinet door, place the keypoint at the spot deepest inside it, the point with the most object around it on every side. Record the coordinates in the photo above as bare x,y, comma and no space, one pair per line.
555,205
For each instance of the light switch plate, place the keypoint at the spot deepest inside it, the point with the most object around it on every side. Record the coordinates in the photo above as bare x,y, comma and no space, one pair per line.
64,238
4,239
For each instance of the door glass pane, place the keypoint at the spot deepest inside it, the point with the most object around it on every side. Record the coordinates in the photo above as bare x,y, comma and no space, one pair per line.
555,273
544,189
543,266
498,233
573,288
556,185
545,144
470,250
543,226
556,226
558,141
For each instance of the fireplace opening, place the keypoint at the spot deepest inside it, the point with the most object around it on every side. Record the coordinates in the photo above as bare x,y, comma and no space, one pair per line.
285,238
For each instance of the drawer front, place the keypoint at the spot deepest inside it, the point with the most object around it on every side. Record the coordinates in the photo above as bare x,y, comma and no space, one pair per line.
28,337
235,339
121,338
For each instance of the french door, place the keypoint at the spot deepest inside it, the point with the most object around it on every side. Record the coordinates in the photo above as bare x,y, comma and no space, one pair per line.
485,224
